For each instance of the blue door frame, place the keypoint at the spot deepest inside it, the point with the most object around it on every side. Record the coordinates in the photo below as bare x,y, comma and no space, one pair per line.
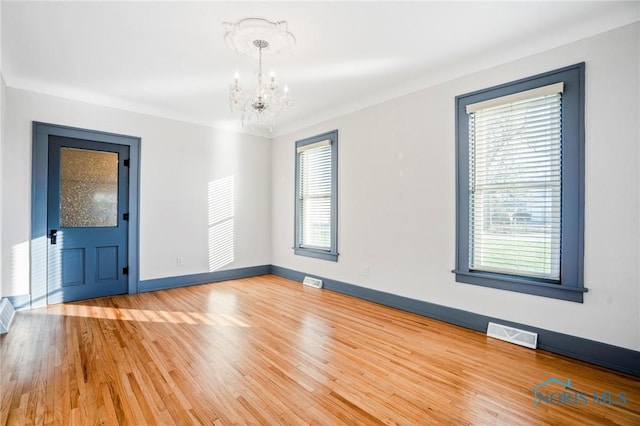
39,230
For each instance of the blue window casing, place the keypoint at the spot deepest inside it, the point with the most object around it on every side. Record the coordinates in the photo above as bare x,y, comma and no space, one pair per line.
570,285
298,248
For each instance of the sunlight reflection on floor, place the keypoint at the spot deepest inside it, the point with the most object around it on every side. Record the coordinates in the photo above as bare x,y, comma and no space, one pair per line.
147,315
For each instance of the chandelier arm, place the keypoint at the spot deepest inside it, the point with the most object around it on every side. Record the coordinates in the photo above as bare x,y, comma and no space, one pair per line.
260,71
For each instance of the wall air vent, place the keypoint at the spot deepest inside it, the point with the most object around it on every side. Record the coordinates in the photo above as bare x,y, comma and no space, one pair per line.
513,335
312,282
6,315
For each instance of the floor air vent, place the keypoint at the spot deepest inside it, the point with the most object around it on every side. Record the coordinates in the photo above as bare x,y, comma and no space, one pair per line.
6,315
513,335
312,282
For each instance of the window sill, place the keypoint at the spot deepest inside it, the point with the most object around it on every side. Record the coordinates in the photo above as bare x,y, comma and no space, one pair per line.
318,254
522,285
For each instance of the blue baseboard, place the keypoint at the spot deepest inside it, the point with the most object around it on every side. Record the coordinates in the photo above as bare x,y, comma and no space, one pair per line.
207,277
601,354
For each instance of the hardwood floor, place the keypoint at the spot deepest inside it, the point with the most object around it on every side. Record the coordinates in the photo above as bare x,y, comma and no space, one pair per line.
267,350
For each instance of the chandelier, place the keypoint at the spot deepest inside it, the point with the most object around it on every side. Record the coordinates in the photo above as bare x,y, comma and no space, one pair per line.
256,37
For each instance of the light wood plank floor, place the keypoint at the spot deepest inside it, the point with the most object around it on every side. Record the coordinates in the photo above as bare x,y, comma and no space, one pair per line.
267,350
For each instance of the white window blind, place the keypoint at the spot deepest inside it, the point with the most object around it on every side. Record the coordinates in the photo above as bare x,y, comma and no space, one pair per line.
515,184
315,195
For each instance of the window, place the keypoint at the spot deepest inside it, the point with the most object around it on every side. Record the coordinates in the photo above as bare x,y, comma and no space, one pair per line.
520,185
316,196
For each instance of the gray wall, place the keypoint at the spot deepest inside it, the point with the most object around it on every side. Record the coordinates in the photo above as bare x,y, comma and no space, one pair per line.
179,163
2,128
397,196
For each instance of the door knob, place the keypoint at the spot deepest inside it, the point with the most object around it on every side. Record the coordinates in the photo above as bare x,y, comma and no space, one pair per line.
53,234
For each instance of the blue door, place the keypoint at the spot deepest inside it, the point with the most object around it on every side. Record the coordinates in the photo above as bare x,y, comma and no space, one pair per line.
87,215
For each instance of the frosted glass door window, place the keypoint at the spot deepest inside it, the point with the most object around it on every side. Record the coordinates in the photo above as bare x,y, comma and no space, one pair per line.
88,188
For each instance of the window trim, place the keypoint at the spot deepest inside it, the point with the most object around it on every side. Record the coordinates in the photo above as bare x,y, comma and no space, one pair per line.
571,285
298,249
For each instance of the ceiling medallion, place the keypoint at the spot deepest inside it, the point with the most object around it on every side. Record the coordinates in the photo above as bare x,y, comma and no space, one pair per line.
257,37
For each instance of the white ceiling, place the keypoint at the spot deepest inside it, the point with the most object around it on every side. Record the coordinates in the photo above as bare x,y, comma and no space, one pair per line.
169,58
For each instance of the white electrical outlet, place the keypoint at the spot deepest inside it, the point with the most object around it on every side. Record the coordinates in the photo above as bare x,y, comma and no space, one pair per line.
365,270
179,261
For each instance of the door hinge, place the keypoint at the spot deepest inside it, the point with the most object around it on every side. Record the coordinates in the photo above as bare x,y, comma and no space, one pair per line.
126,162
125,270
125,216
